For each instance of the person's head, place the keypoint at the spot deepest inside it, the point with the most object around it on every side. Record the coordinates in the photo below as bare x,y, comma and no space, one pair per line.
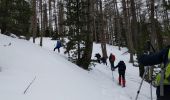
121,61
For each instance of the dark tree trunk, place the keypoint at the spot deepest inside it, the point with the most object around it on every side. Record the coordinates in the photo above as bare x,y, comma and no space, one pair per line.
103,35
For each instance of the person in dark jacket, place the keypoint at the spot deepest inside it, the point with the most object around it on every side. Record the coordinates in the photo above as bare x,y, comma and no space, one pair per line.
121,70
58,45
104,60
112,60
163,58
98,56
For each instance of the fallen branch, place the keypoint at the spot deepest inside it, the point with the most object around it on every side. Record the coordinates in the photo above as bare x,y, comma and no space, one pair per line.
29,85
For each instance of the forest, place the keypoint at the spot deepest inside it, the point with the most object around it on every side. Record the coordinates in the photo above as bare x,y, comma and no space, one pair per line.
122,23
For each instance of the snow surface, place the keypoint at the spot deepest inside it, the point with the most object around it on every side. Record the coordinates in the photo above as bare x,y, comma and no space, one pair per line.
58,79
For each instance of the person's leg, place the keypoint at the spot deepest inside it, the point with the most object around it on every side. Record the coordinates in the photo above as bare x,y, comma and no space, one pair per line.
105,61
58,50
119,79
98,59
54,48
123,79
112,64
166,93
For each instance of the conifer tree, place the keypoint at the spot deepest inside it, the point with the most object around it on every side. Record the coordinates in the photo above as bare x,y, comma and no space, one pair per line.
15,17
79,33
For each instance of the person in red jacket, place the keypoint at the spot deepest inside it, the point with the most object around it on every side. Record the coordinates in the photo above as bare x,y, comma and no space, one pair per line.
112,60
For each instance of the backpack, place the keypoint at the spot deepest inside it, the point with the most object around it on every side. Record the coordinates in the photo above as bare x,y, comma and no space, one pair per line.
112,58
122,66
163,78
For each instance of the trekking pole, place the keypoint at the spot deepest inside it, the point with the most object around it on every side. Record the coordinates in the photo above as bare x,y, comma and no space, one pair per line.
150,79
112,75
143,77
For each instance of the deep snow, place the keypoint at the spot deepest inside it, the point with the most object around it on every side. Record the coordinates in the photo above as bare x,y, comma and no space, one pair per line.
59,79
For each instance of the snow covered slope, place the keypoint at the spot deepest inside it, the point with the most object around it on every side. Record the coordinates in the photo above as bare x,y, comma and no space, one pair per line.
58,79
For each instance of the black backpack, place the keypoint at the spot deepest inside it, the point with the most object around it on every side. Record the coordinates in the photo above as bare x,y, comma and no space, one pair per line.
122,65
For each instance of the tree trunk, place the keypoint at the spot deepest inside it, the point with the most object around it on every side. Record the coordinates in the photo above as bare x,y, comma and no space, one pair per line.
103,35
153,37
41,18
55,35
45,20
89,39
61,17
134,25
50,17
34,20
128,30
117,25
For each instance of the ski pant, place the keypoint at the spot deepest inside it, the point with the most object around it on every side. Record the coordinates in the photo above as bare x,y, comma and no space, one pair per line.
122,78
98,60
166,93
112,66
57,48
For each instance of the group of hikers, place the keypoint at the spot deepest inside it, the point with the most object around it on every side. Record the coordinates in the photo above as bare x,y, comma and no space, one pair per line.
149,60
162,57
121,67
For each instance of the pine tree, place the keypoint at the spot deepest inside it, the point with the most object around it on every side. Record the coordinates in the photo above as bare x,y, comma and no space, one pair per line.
15,17
79,31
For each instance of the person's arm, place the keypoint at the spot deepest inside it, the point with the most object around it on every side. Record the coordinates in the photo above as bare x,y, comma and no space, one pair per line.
125,66
152,59
116,66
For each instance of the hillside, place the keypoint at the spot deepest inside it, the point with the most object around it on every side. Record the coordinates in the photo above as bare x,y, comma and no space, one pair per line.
58,79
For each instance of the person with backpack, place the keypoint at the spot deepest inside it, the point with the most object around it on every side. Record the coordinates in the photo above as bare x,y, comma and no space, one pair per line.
163,78
112,60
104,60
121,70
98,56
58,45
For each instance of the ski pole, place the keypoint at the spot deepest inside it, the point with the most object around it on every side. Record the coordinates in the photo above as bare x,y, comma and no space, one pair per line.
150,79
146,70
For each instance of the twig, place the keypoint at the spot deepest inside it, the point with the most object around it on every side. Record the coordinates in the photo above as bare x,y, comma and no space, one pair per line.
29,85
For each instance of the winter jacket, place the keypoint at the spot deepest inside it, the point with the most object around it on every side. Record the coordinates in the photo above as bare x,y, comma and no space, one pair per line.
98,56
157,58
154,58
167,71
121,67
111,58
163,58
58,44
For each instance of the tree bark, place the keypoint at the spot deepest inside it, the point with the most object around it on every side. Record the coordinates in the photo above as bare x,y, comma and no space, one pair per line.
102,36
50,17
42,26
34,20
134,25
153,37
61,17
86,59
128,30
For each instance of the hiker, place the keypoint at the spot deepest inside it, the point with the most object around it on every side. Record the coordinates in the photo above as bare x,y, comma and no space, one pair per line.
121,70
98,56
162,79
112,60
58,45
104,60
